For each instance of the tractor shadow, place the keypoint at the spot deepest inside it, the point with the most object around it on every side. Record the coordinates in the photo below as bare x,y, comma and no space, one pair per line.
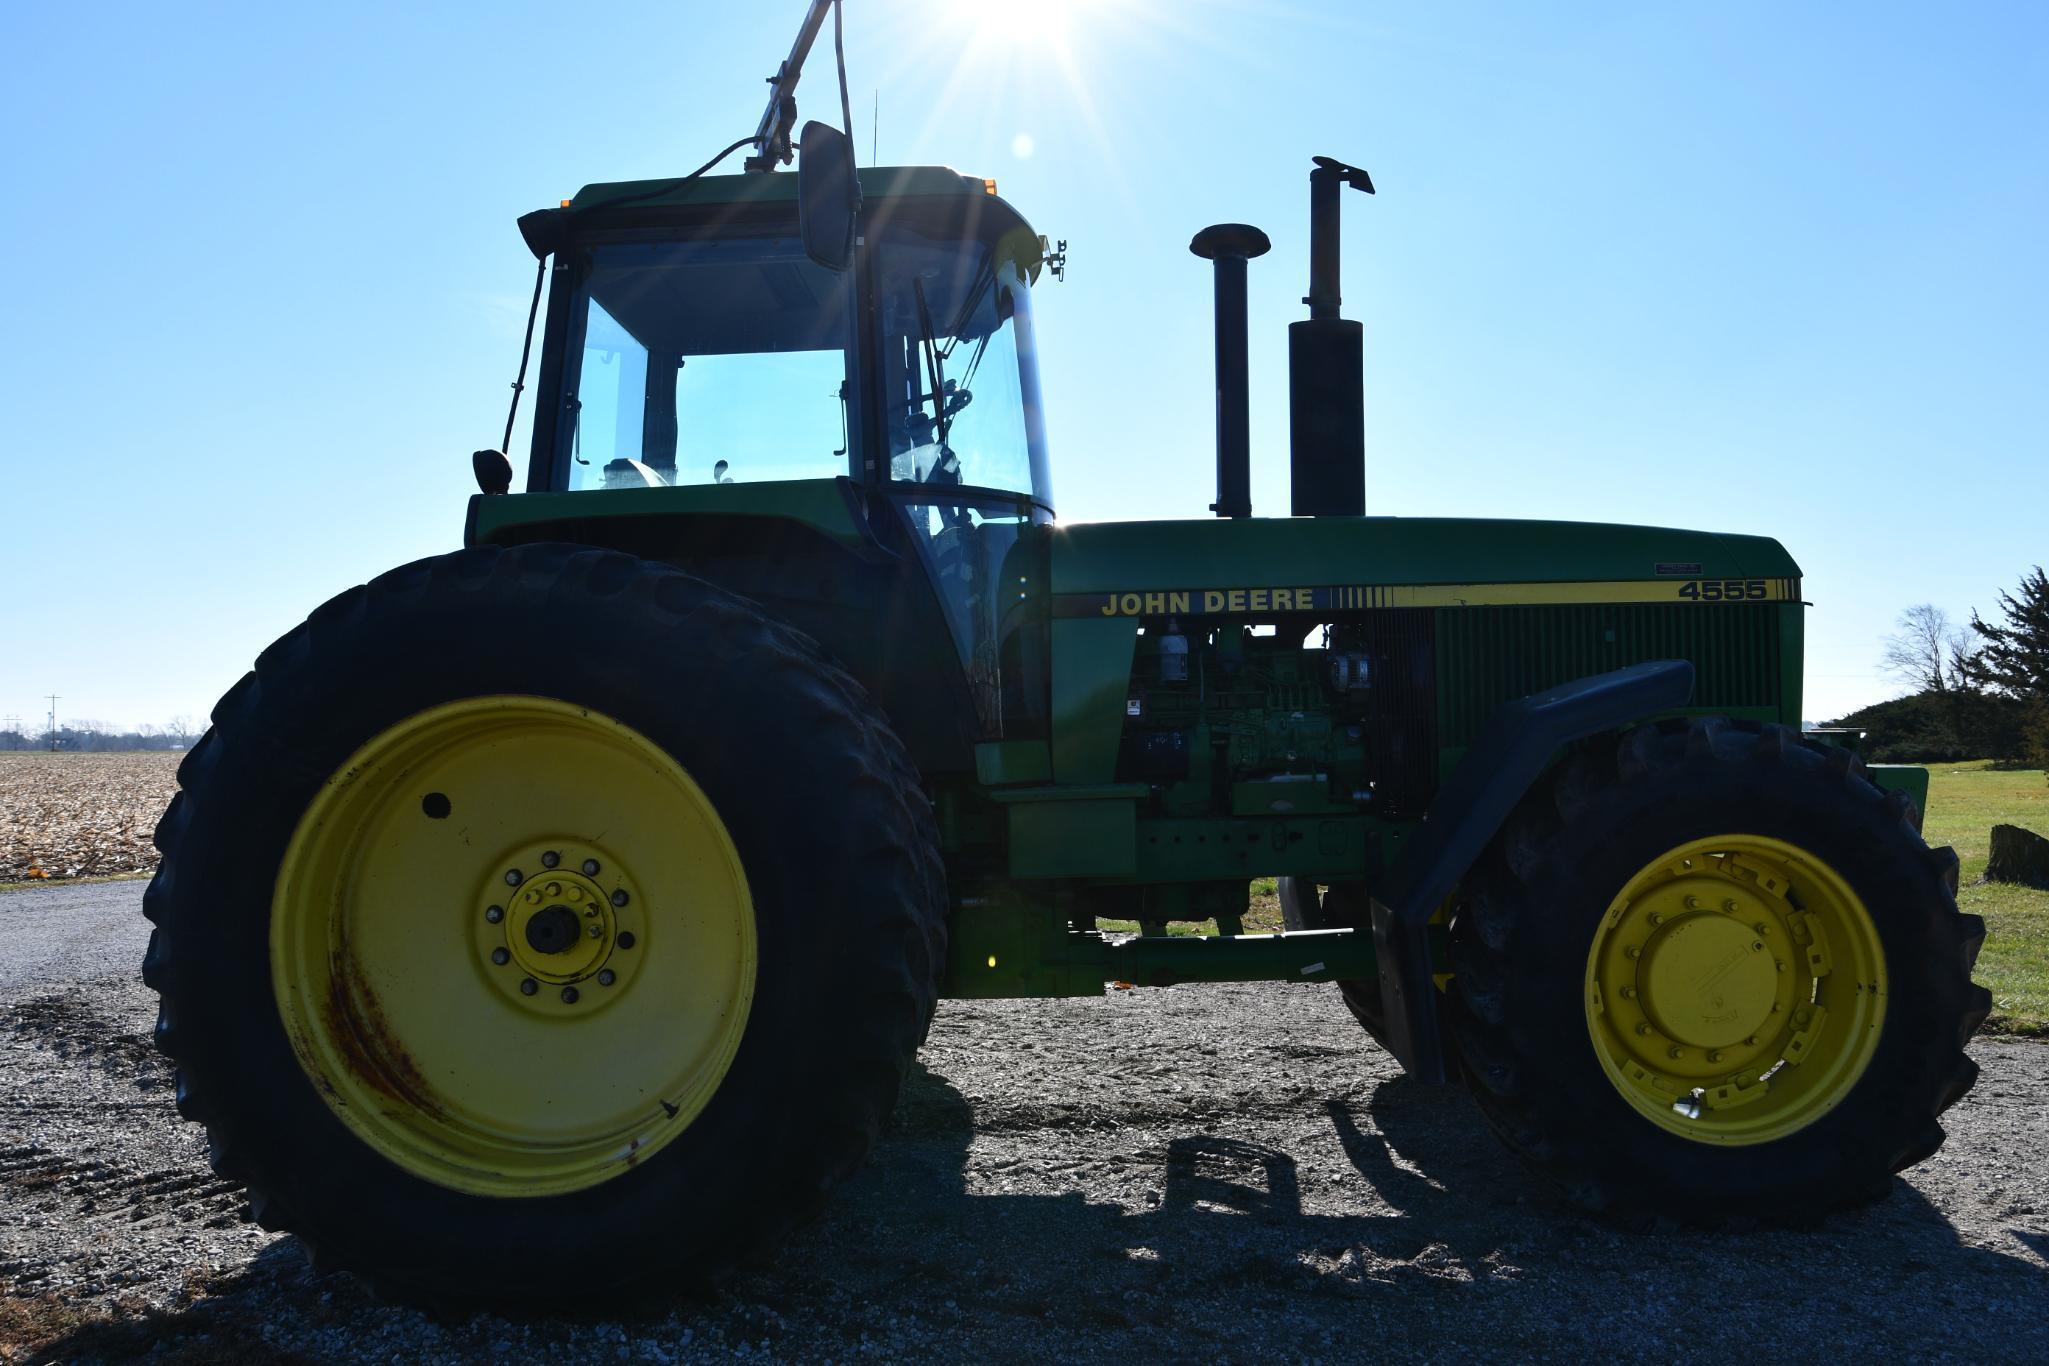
1404,1201
1392,1213
1424,1215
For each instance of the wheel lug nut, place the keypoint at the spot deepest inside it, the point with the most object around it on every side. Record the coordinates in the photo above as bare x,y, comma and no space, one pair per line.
1714,1055
1675,1051
569,995
1782,964
528,987
607,977
550,859
1643,1028
1693,903
1657,918
1633,951
512,877
597,931
590,867
1730,906
1760,928
1629,993
1750,1042
626,939
494,914
500,956
619,897
554,889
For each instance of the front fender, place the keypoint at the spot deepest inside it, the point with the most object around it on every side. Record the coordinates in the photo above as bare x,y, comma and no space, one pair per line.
1511,751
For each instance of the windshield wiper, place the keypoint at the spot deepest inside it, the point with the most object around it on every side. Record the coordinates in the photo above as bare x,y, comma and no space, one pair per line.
945,470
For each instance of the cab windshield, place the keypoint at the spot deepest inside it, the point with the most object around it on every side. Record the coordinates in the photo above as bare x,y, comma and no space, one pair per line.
960,405
733,358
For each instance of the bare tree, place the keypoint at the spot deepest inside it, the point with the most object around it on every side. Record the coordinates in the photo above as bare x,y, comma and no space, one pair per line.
182,730
1924,652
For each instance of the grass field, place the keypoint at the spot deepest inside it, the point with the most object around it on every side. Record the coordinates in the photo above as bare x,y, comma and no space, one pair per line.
1964,802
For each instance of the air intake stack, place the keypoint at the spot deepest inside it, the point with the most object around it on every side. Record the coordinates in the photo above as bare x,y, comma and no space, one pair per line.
1230,246
1327,369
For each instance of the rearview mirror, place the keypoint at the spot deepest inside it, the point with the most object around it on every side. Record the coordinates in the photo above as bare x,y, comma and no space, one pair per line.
828,195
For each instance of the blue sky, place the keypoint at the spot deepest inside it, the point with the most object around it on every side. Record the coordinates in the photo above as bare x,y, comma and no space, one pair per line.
1748,267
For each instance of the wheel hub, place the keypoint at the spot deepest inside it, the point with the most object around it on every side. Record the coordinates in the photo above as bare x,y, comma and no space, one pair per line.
560,914
1706,980
552,929
1715,997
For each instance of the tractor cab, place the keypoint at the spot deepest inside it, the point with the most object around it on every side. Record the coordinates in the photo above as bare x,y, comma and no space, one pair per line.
703,371
692,341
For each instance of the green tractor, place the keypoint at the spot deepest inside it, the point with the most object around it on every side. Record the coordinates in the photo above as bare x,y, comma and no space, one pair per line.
582,896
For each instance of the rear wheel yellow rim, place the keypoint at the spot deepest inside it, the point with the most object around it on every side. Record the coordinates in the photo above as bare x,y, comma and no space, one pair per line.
513,947
1735,990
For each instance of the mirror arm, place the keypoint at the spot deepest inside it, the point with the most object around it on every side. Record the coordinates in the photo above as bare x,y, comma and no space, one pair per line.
772,137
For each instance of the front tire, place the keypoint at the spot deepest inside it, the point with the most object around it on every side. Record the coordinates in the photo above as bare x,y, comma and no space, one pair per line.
1711,970
1341,905
652,1071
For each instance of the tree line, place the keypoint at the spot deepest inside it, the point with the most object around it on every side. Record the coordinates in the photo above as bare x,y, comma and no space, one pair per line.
1980,691
97,737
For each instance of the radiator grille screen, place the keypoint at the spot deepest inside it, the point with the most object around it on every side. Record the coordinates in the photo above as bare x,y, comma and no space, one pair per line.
1487,655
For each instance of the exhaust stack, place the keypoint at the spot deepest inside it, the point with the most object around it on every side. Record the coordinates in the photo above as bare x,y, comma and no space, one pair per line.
1327,369
1230,246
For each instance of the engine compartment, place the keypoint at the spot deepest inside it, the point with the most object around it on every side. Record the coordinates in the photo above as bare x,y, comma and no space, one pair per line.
1297,717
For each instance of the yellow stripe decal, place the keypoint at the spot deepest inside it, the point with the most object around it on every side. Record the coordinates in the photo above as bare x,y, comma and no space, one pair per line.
1277,600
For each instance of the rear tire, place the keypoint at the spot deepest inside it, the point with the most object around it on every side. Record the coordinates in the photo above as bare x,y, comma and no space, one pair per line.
1829,1129
848,938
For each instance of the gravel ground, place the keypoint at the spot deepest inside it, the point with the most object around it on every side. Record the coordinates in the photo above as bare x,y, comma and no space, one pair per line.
1217,1172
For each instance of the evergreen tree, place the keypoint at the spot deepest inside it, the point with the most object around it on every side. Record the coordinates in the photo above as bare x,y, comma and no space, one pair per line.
2014,660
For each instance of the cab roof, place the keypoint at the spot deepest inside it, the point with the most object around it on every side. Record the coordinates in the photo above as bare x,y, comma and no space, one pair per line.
775,187
631,202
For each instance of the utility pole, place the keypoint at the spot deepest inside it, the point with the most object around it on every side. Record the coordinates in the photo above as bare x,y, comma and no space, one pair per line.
53,719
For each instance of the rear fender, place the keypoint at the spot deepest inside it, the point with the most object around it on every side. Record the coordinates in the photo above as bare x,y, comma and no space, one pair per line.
815,555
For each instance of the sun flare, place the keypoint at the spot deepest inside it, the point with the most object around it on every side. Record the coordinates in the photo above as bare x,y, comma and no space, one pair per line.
1035,79
1022,23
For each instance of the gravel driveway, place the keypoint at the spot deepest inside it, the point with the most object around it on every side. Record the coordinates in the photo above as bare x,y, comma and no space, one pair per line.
1214,1172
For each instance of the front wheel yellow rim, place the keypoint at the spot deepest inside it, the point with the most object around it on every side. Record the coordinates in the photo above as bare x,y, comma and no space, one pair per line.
1735,989
512,946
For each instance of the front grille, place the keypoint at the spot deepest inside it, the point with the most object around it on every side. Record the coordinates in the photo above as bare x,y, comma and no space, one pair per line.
1488,655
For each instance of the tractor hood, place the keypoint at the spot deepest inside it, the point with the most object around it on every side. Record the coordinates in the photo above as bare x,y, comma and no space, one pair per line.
1240,566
